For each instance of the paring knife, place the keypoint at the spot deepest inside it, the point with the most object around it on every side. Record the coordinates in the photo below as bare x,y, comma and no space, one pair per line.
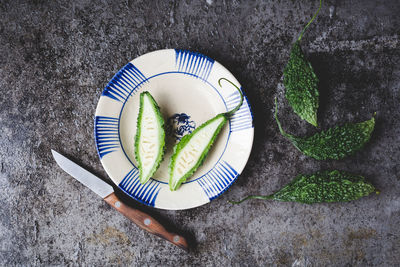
106,192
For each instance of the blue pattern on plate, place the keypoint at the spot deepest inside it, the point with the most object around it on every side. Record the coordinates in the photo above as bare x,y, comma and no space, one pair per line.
218,179
145,193
106,134
179,125
194,63
128,79
243,118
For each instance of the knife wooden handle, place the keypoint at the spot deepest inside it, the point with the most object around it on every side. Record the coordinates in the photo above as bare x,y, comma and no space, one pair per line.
145,222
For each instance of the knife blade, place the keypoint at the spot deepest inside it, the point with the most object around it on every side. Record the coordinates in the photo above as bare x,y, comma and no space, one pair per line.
106,192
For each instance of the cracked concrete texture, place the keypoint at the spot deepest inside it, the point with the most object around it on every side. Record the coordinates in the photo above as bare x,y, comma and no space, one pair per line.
57,56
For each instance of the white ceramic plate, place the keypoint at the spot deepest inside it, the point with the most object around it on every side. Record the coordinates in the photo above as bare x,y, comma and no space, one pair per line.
185,86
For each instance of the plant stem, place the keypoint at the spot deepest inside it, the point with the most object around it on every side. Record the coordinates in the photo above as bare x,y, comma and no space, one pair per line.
312,19
278,122
230,113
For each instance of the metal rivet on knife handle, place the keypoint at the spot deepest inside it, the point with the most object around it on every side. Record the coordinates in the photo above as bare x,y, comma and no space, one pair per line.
147,221
117,204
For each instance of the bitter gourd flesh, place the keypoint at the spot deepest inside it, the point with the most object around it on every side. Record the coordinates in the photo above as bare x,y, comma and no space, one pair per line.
150,137
193,148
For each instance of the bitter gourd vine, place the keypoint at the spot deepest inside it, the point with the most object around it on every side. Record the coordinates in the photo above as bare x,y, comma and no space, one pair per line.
338,142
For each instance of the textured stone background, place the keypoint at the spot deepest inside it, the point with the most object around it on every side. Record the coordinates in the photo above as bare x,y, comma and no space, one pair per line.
55,58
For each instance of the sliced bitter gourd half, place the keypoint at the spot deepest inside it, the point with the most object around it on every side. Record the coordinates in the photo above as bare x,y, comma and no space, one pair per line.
150,137
193,148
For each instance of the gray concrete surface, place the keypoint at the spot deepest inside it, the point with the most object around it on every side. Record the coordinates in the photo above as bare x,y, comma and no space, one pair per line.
55,58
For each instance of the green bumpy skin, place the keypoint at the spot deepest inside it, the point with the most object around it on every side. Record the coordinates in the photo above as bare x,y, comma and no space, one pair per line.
322,187
335,143
301,85
182,144
189,155
325,186
161,137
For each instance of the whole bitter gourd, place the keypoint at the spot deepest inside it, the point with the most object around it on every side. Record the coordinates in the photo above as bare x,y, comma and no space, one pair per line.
324,186
335,143
301,83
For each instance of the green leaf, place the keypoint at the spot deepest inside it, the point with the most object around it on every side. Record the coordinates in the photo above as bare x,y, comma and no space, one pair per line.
335,143
323,186
301,84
